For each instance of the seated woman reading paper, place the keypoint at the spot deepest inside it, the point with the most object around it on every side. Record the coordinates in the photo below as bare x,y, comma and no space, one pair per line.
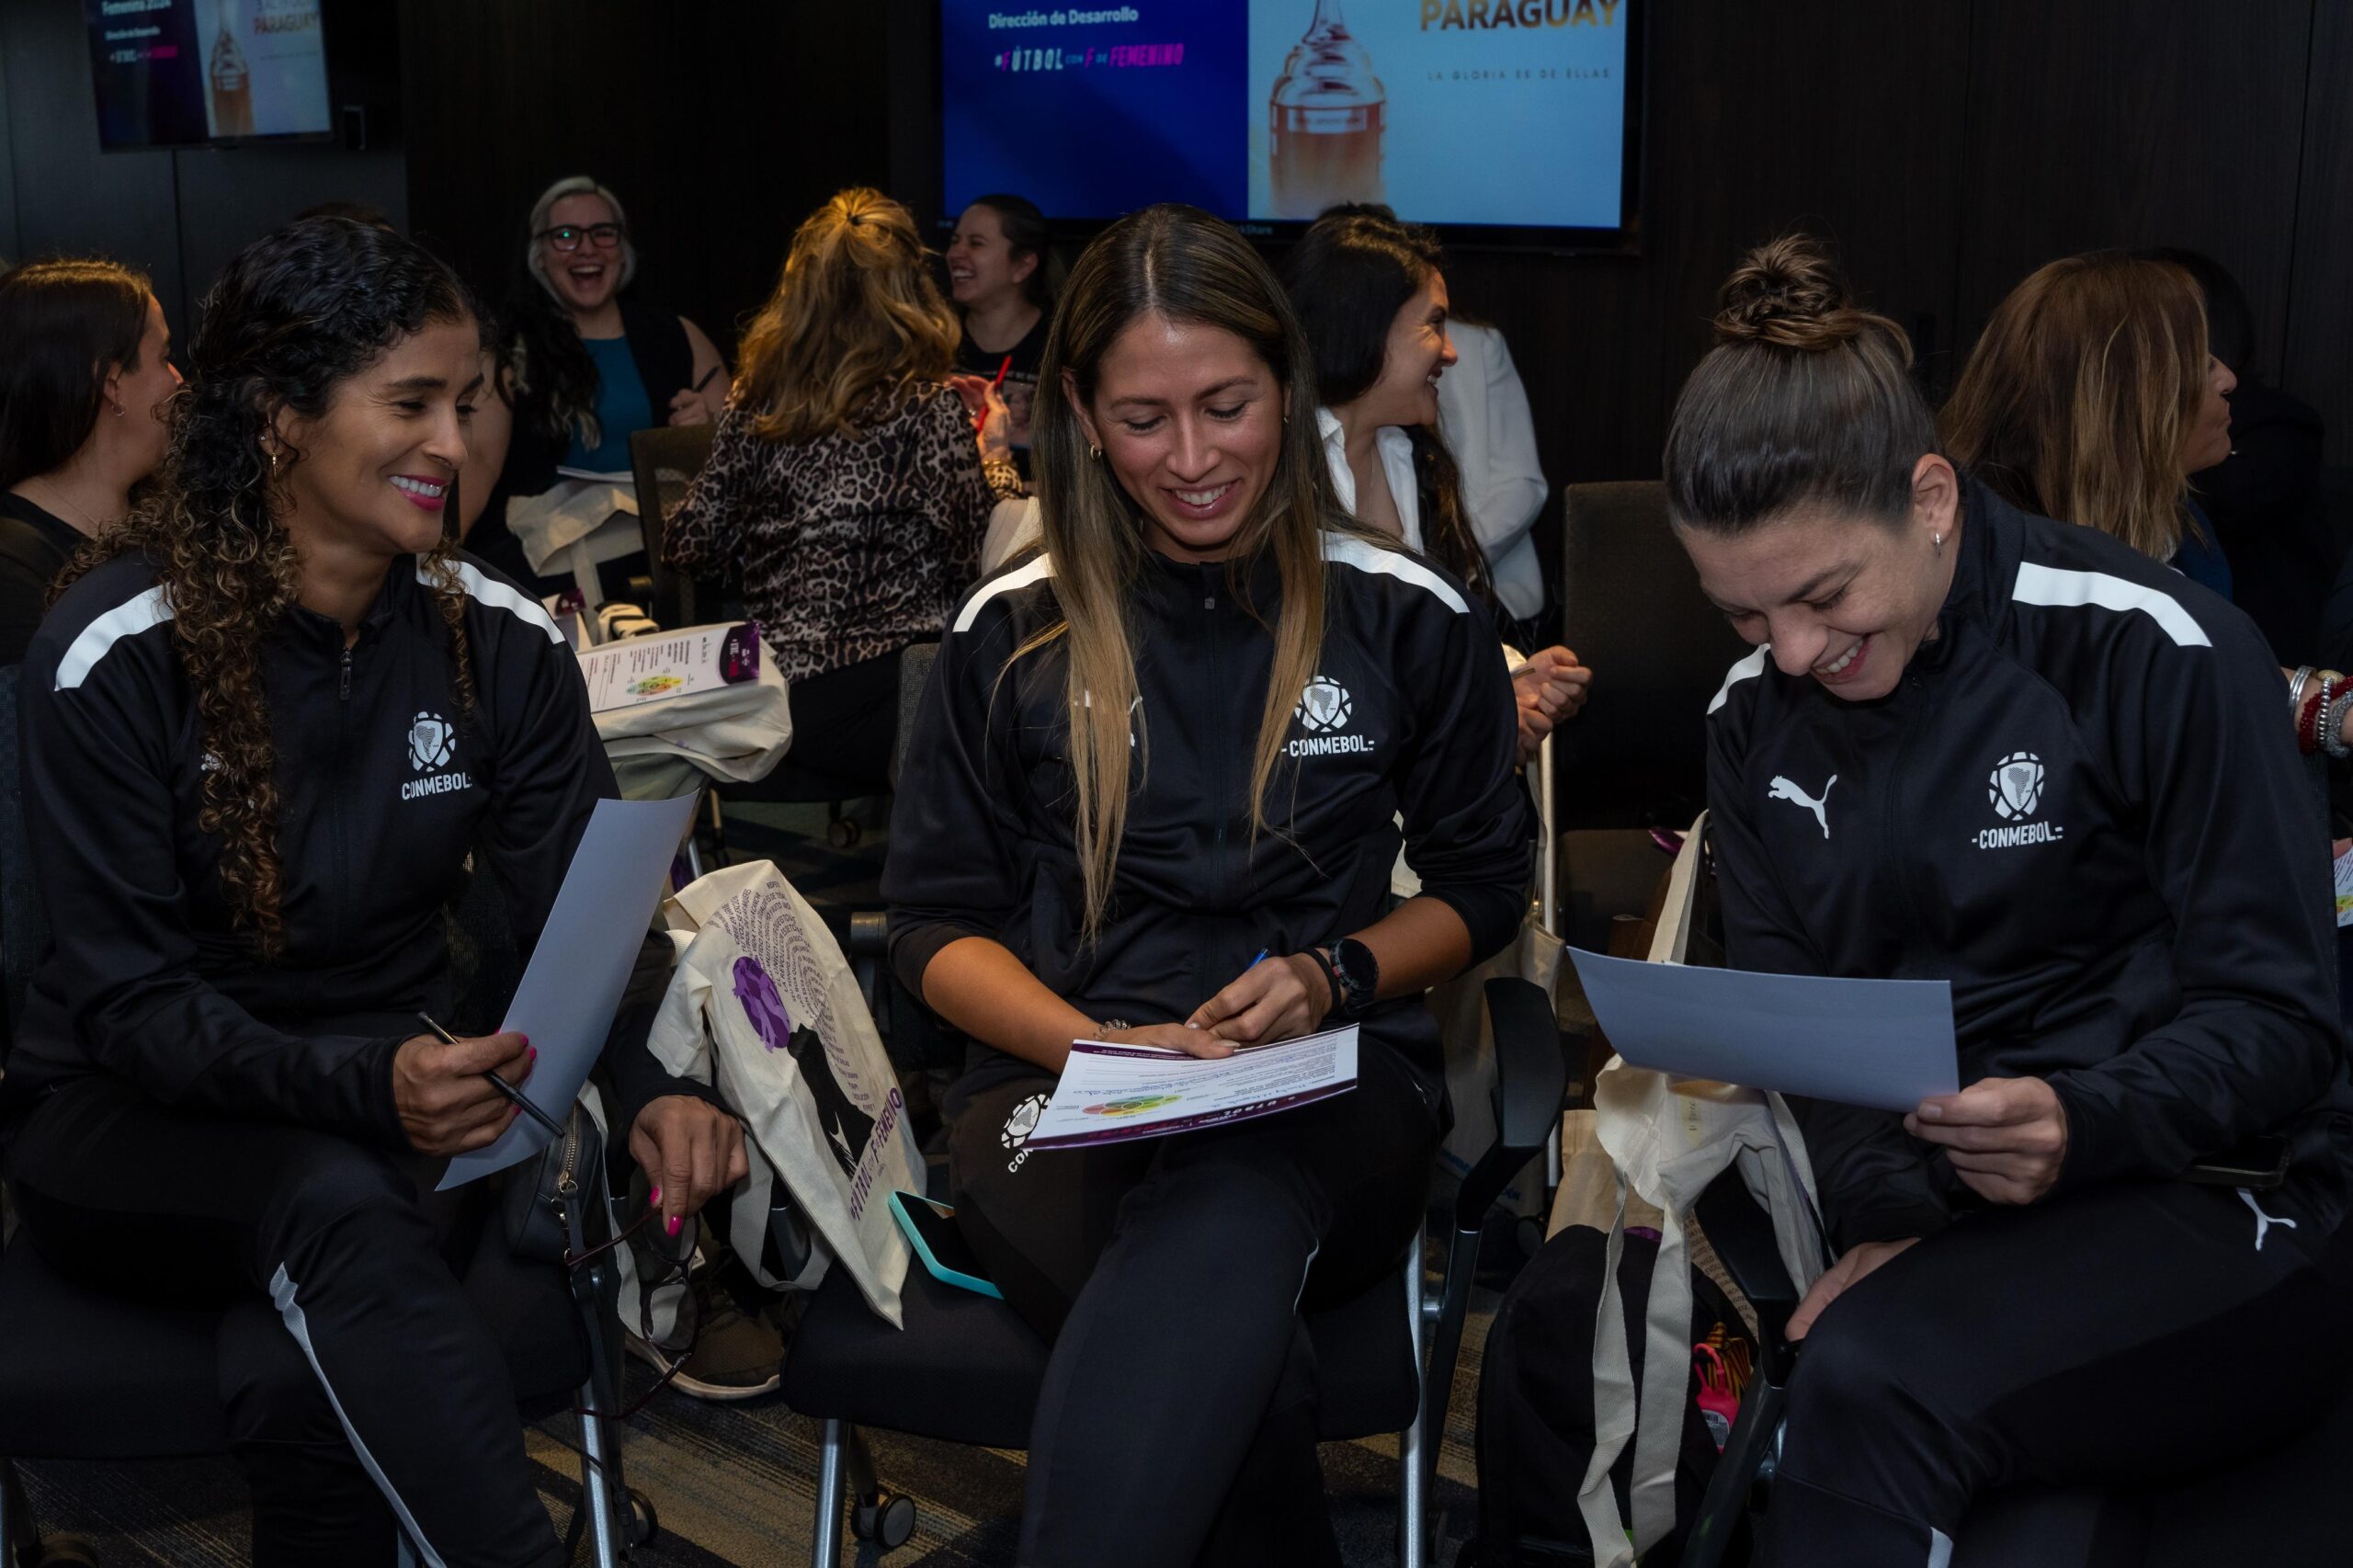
260,739
1176,741
2029,760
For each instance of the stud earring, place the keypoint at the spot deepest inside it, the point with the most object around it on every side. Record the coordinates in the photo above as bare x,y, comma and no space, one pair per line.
1939,539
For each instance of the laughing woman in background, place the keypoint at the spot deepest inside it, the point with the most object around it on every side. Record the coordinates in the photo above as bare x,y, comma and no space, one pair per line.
586,365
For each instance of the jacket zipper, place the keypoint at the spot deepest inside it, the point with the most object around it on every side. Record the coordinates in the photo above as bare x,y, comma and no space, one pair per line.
1892,842
343,767
1224,795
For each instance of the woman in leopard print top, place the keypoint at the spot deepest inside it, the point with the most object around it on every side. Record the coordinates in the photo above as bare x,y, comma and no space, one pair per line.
845,484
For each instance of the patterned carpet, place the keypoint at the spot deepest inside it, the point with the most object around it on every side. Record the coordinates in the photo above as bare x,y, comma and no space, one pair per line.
734,1485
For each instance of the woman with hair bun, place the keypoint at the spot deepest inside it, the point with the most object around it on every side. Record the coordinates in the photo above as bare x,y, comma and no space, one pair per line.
2021,756
845,485
263,731
85,384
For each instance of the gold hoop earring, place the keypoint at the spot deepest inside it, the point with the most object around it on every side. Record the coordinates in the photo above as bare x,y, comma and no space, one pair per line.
1095,452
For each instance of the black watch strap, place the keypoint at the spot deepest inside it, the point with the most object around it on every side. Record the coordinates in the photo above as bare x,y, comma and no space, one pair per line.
1331,978
1356,974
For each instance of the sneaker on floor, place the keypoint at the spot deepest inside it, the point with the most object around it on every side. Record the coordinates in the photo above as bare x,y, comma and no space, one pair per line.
738,1355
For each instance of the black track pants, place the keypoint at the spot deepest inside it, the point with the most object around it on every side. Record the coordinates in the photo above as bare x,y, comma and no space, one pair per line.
368,1398
2122,1335
1177,1422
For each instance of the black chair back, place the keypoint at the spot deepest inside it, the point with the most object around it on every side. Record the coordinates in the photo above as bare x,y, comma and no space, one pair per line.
1636,756
663,463
24,924
914,673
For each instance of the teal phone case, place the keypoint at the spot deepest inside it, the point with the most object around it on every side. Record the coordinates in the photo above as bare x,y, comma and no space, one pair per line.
932,1266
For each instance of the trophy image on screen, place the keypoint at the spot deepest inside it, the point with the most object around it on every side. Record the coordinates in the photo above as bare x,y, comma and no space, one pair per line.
1325,120
233,85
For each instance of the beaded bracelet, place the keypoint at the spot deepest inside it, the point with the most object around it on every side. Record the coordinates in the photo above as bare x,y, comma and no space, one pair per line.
2332,735
2315,702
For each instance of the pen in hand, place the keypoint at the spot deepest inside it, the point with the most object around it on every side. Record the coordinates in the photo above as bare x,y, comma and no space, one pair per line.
521,1101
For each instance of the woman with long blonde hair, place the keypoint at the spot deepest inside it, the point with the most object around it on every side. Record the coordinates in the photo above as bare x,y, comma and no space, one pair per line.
2092,398
844,485
1155,801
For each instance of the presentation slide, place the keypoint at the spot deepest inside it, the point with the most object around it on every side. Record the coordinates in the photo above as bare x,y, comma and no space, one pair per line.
265,67
172,72
143,61
1507,113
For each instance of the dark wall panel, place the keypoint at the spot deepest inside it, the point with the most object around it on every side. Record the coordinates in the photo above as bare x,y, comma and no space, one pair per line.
71,197
2123,123
1867,153
2317,362
179,215
719,126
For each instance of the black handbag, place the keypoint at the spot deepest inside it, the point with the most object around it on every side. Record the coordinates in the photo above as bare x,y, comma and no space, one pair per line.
553,1203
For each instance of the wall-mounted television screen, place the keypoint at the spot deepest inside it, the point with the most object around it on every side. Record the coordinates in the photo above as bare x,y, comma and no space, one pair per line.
1501,121
183,73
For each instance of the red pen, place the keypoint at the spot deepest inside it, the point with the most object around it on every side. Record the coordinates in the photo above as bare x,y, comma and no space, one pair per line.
980,420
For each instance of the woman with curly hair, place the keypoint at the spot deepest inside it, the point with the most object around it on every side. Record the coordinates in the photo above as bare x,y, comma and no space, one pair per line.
263,731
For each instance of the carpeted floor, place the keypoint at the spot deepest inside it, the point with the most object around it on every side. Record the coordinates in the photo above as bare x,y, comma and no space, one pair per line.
735,1484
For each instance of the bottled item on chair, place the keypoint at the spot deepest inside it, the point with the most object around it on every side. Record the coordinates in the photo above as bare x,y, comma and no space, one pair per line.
1324,121
231,83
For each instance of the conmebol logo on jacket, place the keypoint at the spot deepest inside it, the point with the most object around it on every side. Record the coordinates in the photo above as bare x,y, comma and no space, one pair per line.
1325,708
2015,791
432,742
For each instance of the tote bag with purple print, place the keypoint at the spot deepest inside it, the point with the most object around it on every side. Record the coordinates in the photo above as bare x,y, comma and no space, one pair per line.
763,1007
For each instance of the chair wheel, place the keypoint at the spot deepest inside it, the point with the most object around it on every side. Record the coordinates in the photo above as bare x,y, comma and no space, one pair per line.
889,1520
644,1524
64,1551
843,834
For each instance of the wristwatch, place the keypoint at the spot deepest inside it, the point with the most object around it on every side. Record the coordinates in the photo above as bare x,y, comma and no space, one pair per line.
1356,977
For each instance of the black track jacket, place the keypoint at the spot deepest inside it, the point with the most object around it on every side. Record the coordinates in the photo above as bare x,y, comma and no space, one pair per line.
2084,808
382,794
1411,713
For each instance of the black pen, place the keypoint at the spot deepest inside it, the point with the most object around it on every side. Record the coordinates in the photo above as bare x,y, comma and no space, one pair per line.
706,378
500,1084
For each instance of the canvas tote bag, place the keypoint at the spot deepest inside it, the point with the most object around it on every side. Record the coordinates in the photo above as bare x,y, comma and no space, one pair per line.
763,1007
1667,1140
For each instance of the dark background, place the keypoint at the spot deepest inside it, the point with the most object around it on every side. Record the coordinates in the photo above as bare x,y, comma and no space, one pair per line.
1949,146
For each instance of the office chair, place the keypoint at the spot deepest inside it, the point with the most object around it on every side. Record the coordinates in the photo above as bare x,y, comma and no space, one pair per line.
966,1369
663,463
115,1379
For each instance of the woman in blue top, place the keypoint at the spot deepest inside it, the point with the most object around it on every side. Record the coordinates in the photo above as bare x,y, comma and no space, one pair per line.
584,367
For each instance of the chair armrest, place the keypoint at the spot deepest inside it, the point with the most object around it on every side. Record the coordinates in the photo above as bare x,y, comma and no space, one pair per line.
1532,1081
868,933
1741,1234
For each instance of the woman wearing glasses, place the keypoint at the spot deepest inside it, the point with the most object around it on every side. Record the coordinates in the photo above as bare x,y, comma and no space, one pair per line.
585,367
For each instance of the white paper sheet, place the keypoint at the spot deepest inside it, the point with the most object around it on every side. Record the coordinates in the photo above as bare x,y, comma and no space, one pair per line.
574,984
1109,1094
639,670
1886,1043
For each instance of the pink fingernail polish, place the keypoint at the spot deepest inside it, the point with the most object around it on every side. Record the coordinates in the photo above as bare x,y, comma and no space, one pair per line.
654,1201
531,1054
675,1219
